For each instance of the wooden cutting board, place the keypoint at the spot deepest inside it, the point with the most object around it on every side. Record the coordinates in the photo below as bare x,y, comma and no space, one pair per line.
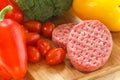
65,71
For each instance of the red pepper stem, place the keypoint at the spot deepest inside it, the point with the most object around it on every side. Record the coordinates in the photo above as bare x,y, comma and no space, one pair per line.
4,11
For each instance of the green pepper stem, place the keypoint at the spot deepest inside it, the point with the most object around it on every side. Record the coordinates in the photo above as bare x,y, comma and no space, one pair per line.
4,11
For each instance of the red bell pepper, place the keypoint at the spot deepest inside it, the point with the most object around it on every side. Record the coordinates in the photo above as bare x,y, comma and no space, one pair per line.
13,56
15,14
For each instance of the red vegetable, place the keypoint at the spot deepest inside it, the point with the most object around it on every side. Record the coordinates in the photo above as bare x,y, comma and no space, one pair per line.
43,46
47,29
32,38
55,56
33,54
13,57
32,25
15,14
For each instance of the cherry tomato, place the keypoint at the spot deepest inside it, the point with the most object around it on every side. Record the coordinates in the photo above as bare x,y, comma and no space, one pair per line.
32,38
47,29
26,31
32,25
55,56
33,54
43,46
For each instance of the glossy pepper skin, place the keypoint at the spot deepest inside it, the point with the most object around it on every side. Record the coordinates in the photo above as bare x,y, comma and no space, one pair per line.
15,14
107,11
13,56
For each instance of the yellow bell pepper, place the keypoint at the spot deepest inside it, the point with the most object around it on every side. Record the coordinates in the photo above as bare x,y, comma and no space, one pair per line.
107,11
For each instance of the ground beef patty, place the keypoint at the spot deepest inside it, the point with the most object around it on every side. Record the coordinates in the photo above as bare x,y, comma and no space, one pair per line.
89,45
60,34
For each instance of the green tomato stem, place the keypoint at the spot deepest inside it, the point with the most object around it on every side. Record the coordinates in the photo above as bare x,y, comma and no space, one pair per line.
4,11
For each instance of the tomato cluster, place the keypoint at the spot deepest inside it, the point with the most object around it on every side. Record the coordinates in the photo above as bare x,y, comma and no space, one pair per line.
37,46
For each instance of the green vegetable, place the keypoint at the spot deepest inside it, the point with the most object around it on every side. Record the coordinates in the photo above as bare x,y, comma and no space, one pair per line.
42,10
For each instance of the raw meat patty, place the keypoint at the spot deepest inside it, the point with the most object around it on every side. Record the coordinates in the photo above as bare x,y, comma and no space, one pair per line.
89,45
60,34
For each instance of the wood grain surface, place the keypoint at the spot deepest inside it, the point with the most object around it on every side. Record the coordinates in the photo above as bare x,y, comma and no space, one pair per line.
65,71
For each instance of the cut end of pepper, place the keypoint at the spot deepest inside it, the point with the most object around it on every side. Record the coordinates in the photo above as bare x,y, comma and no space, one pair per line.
4,11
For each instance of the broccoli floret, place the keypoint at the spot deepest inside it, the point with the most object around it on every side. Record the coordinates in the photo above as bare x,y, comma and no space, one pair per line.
61,6
42,10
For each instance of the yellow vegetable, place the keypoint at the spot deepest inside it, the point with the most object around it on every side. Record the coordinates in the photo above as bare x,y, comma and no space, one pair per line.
107,11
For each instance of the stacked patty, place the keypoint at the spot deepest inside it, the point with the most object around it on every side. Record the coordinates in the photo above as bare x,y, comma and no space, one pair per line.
88,44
